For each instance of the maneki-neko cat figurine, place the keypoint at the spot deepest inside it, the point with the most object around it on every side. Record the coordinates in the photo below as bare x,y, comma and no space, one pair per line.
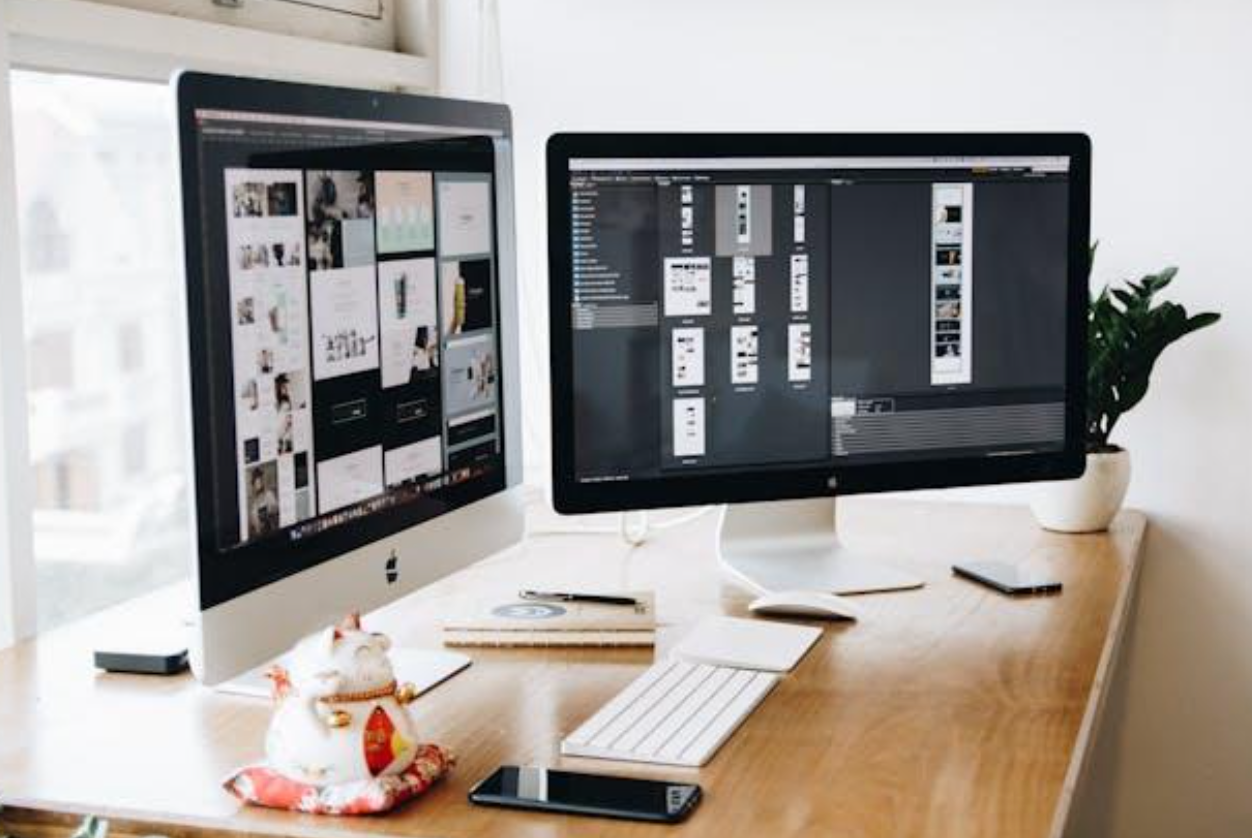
341,716
341,741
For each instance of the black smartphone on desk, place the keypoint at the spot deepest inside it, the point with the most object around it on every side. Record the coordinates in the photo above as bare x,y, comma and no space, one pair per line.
544,789
1008,578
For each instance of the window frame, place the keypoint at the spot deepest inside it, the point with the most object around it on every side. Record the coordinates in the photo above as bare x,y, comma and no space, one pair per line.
367,23
95,39
75,36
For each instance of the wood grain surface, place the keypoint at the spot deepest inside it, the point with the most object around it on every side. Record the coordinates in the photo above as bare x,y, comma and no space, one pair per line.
947,711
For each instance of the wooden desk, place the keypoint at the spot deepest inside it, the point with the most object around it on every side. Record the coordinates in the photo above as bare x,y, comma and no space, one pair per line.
948,711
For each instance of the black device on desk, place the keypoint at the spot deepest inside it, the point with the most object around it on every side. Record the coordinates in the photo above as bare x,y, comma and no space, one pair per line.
140,661
1008,578
528,787
157,647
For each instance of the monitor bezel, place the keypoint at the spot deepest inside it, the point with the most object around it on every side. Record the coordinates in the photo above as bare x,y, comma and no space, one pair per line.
196,91
571,496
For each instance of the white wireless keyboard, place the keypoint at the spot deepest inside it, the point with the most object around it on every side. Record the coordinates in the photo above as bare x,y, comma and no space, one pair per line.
676,713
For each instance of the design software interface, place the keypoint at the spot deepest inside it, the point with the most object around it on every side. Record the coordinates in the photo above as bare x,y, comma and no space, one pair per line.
769,312
350,279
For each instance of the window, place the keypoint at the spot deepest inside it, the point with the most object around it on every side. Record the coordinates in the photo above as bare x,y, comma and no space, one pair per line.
67,480
50,360
130,347
135,451
98,202
45,243
368,23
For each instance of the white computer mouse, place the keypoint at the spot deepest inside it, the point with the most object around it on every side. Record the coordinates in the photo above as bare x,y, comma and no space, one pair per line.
805,604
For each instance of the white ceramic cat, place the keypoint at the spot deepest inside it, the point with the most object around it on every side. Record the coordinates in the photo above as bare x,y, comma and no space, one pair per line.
341,716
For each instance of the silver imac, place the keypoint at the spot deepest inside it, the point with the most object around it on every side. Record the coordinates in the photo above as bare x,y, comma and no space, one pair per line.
352,343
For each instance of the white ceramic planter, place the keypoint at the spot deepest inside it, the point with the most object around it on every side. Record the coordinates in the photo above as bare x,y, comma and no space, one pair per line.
1089,503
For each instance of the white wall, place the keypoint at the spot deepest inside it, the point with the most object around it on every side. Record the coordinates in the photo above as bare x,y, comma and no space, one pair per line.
1165,91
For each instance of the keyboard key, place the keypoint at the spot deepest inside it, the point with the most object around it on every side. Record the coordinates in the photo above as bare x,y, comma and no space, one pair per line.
619,702
641,703
682,714
667,707
675,713
709,709
719,730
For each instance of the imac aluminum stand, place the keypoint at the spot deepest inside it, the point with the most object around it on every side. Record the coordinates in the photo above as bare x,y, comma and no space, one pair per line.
792,546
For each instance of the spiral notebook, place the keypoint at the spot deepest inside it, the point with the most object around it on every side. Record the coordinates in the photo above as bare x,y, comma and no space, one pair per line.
517,622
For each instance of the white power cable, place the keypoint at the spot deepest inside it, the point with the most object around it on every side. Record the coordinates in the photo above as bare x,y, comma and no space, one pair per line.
633,535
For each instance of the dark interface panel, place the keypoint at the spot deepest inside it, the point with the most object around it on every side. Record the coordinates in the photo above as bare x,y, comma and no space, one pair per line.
736,313
351,321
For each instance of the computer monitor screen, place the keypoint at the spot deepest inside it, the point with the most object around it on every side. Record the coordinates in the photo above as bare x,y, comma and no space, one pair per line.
345,332
782,324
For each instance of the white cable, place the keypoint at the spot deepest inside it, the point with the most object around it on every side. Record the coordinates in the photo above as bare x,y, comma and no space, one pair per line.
573,529
682,520
633,536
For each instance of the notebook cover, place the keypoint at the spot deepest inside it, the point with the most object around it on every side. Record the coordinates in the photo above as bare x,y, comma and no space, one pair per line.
452,637
526,616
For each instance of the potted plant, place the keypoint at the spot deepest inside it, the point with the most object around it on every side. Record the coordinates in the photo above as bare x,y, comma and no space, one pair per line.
1126,333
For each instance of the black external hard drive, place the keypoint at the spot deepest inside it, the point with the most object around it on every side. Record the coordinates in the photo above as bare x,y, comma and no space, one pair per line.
144,656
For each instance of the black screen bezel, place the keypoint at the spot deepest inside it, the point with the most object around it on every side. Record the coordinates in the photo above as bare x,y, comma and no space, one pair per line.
571,496
254,565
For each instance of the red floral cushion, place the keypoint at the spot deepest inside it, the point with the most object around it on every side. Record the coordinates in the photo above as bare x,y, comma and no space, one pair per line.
263,786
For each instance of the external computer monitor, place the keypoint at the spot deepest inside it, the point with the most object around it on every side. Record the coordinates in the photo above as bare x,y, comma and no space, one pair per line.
351,324
760,318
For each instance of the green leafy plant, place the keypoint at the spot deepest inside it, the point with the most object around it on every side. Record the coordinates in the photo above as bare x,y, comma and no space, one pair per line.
1126,334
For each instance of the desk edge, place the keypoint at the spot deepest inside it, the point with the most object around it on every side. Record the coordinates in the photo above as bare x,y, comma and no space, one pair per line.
1080,759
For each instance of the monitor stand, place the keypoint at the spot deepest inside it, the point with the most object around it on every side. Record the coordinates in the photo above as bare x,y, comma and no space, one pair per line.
793,546
423,668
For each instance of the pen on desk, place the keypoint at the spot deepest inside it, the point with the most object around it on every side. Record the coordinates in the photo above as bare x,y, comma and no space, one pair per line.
558,596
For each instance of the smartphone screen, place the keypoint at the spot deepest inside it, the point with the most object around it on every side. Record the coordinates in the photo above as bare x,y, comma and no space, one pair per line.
1008,578
588,794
